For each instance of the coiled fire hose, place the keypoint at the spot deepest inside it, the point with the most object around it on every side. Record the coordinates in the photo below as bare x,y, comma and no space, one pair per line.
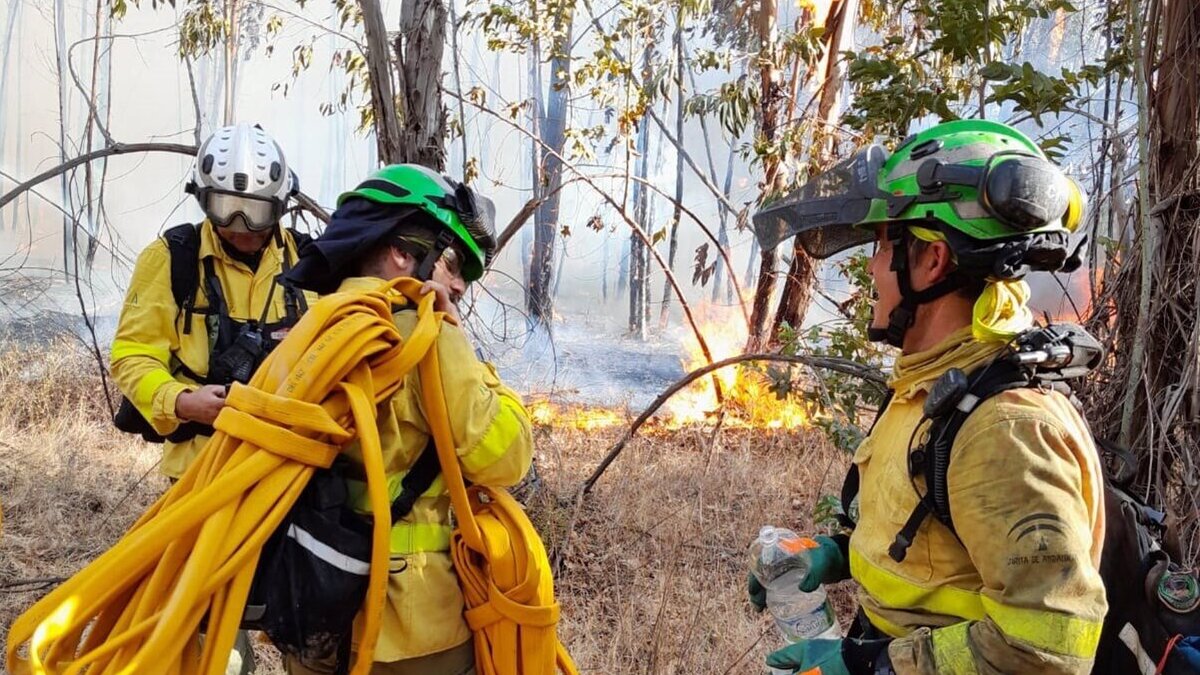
138,607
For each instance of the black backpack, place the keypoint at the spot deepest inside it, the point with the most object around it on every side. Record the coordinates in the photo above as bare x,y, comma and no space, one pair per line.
1141,547
183,244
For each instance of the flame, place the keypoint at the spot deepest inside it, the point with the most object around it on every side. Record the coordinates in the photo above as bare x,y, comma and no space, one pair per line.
581,417
749,400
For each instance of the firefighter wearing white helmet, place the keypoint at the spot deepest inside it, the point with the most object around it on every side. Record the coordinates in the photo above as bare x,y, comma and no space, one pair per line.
207,301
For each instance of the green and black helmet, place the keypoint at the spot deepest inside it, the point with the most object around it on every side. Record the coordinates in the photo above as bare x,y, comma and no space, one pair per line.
981,186
468,219
989,190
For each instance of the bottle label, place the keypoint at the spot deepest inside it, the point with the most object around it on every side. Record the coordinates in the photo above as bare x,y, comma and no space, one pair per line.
807,624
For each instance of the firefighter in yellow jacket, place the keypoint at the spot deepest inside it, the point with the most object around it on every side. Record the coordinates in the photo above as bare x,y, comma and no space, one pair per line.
206,303
959,213
408,221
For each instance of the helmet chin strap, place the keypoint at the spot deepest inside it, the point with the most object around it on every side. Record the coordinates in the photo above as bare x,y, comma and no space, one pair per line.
901,318
443,241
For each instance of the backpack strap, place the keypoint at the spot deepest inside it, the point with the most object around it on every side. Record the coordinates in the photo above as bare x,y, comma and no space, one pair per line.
416,481
293,297
931,459
183,245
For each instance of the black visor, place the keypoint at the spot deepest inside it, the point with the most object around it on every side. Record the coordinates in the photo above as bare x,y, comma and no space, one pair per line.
822,213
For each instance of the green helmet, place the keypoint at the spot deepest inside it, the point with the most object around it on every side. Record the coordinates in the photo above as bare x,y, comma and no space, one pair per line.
985,187
983,179
468,217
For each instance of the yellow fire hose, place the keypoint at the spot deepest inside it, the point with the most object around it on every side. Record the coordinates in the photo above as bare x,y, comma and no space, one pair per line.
138,607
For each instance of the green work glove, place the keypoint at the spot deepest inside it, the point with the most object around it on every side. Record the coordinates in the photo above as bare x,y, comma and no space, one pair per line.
811,657
758,594
825,562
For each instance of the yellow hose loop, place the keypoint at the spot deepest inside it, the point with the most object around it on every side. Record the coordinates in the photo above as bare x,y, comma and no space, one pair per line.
501,562
193,553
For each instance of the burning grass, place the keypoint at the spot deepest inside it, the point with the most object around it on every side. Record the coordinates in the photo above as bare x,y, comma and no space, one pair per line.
652,581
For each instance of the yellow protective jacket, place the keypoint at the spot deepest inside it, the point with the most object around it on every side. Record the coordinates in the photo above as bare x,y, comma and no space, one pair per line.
424,609
1021,592
151,348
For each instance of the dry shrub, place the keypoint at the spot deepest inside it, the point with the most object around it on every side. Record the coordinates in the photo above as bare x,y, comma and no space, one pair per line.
70,484
654,578
653,582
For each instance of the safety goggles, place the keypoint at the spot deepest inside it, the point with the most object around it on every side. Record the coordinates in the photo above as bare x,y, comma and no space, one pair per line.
222,208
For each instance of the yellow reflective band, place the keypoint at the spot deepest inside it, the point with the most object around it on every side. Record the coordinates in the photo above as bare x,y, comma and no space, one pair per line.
505,429
926,234
125,348
143,394
952,651
891,590
408,538
1049,631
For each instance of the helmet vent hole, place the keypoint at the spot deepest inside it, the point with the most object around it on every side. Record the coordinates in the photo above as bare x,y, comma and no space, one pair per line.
240,181
926,149
276,171
206,164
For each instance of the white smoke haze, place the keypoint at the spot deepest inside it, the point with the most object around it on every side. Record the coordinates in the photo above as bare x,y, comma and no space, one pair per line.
148,91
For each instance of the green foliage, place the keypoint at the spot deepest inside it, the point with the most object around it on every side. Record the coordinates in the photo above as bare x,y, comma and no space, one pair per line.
933,59
826,512
840,401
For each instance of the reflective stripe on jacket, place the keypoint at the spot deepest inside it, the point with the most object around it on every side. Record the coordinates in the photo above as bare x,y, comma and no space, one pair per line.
1021,592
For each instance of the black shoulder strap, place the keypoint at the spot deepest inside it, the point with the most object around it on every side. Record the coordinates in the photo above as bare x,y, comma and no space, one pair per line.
418,479
850,484
932,459
183,244
296,304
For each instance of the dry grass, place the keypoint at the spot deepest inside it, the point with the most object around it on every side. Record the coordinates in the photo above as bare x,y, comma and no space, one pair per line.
653,581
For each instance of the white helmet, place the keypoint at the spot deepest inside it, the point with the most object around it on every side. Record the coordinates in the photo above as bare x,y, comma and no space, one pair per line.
241,171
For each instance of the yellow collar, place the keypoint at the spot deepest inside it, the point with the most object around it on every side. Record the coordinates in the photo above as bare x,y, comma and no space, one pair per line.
916,373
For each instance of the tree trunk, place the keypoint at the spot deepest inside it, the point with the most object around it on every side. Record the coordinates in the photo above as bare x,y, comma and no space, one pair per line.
639,258
677,213
723,237
768,120
14,16
553,136
383,99
231,49
839,26
60,51
419,52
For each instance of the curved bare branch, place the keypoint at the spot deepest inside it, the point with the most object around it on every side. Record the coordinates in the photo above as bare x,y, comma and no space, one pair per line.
126,149
847,367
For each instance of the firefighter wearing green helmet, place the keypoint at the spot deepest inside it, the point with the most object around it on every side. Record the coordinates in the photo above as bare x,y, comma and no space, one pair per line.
958,215
409,221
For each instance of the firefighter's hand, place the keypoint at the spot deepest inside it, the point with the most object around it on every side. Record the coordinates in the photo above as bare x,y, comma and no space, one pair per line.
201,405
811,657
444,300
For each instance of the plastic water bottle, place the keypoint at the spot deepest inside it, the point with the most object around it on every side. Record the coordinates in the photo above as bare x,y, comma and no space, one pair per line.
774,561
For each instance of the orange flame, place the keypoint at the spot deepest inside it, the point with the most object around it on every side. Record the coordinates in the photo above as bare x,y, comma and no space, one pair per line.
581,417
749,401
